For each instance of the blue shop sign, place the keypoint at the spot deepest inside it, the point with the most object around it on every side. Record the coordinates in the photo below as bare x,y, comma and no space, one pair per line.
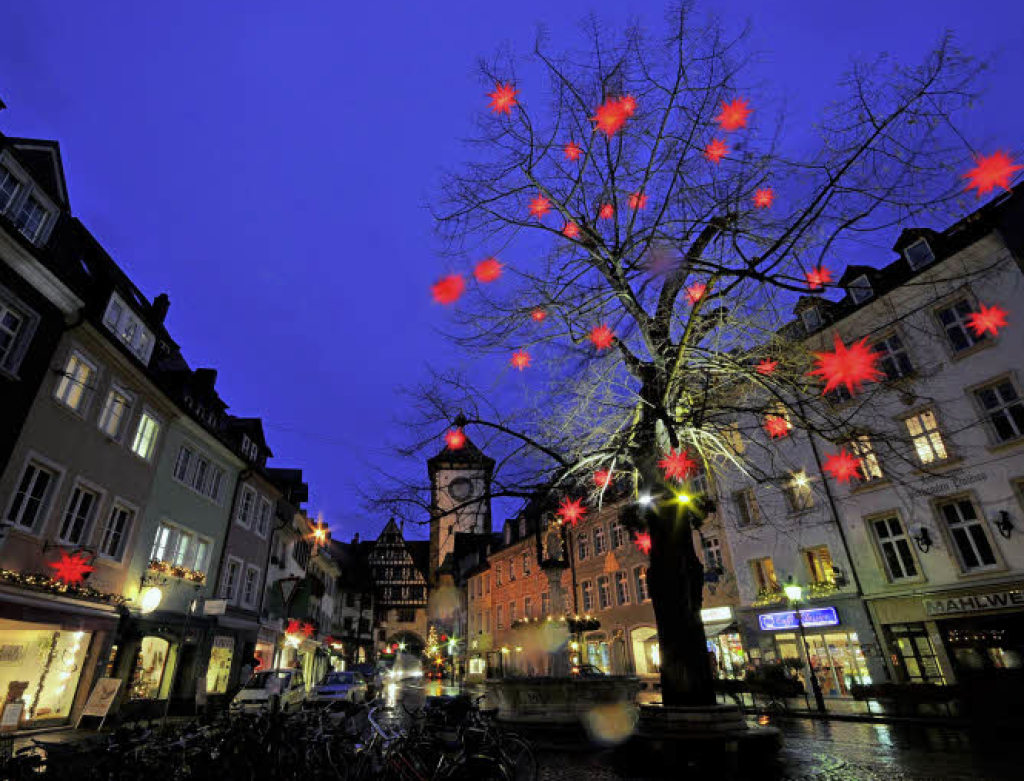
812,617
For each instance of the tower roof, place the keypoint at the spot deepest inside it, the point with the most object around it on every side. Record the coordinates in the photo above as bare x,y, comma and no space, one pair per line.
466,455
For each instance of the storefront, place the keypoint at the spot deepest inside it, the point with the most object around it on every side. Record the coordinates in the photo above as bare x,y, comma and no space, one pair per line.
266,641
218,671
725,645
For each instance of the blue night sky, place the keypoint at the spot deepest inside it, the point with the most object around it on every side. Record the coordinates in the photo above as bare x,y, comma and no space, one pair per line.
268,165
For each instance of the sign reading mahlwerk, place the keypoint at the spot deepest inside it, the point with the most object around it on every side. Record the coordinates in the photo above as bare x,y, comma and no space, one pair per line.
973,603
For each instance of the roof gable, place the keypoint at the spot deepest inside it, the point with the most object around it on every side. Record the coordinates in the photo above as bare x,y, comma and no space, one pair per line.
43,162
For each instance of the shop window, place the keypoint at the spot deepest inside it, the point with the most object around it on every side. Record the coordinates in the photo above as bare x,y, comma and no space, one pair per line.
621,588
149,668
747,508
1004,409
41,667
587,595
599,540
924,433
597,653
867,459
836,657
819,565
798,492
640,580
970,538
33,495
895,547
219,670
913,653
604,592
954,320
893,358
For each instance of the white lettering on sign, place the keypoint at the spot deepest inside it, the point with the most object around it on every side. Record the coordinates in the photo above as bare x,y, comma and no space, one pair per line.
709,614
973,603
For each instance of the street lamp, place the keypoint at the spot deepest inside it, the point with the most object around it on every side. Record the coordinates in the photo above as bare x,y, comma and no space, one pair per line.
794,592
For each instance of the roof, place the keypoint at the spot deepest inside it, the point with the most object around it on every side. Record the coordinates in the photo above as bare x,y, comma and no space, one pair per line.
467,455
41,159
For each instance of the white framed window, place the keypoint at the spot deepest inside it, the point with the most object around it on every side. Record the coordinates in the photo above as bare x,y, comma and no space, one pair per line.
583,546
640,579
527,607
894,545
864,451
128,327
251,586
860,289
893,357
587,595
712,547
599,540
230,578
924,433
181,547
182,463
618,535
27,206
31,218
17,326
76,383
78,515
604,592
747,508
250,449
33,495
511,612
971,542
263,519
621,588
246,508
195,470
918,254
526,563
115,412
116,530
811,318
147,430
511,570
1003,408
545,603
953,319
9,187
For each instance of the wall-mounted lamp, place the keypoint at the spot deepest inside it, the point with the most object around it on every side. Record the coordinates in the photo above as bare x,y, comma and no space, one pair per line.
1005,524
923,539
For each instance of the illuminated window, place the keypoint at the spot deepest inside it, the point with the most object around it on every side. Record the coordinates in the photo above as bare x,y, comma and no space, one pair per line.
640,579
819,564
149,669
867,458
763,571
798,492
599,540
621,588
146,432
74,386
587,595
604,592
927,439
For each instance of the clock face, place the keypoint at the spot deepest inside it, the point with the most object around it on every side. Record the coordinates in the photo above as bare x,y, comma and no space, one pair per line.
460,489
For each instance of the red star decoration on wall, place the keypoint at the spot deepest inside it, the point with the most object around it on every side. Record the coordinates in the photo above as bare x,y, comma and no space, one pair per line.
520,359
695,292
294,627
637,200
607,211
571,511
777,426
571,230
764,198
602,336
643,542
850,366
989,318
71,568
733,115
487,270
990,172
572,151
540,206
448,290
842,466
503,98
818,277
767,366
602,478
678,465
538,315
455,439
716,150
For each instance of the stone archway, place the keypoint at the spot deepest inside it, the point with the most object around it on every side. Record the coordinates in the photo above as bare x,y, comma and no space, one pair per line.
408,642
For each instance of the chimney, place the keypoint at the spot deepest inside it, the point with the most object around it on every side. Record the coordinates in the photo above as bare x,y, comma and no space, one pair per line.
160,306
355,538
205,379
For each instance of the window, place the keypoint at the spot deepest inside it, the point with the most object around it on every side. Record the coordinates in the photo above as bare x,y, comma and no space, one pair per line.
895,547
811,318
9,186
915,652
31,218
798,492
599,540
918,254
146,432
587,595
263,519
115,412
860,289
604,592
180,547
764,575
583,545
250,449
74,386
499,623
181,464
970,540
1004,409
511,612
747,508
954,321
33,496
487,583
195,470
251,586
621,588
128,328
819,564
892,357
712,553
511,570
246,508
866,457
17,324
527,607
545,604
927,439
497,574
618,535
115,532
229,579
640,579
78,516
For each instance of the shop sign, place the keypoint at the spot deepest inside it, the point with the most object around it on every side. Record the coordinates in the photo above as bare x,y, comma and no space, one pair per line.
972,603
810,618
215,607
711,614
224,641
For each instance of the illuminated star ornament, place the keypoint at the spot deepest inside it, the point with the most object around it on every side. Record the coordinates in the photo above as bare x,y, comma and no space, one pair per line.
520,359
294,627
571,230
733,115
611,115
850,366
71,569
716,150
572,151
307,629
677,465
767,366
764,198
602,336
695,292
777,426
643,542
990,172
990,318
637,200
455,439
602,478
571,511
818,277
540,206
842,466
503,98
487,270
447,290
607,211
538,315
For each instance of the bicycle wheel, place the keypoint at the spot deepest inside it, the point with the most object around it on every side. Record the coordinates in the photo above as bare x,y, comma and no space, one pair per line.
476,768
518,758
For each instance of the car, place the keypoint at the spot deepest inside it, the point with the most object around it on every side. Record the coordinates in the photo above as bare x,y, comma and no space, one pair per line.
273,690
587,671
340,686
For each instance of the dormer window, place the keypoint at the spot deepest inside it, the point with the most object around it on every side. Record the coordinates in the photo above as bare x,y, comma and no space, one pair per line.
128,328
860,289
919,254
250,449
25,204
811,319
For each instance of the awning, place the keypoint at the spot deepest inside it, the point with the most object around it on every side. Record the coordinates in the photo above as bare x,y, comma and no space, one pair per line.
714,630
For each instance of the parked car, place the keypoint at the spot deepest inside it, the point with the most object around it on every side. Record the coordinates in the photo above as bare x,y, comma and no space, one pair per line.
587,671
339,686
271,690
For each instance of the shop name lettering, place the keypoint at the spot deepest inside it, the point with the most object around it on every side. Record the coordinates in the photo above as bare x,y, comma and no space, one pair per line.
949,483
974,602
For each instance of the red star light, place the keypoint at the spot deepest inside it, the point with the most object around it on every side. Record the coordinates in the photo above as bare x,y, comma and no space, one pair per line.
767,367
990,172
540,206
695,292
850,366
628,105
602,336
716,150
455,439
643,542
447,290
294,627
818,277
571,230
607,211
572,151
71,569
678,465
520,359
733,115
611,115
538,315
602,478
307,630
777,426
637,200
487,270
503,98
842,466
764,198
571,511
990,318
